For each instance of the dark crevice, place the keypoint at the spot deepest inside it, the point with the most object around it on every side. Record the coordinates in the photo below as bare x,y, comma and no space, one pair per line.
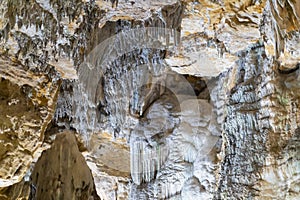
289,71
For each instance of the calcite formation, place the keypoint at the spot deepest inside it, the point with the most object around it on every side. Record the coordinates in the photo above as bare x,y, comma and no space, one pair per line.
281,30
173,99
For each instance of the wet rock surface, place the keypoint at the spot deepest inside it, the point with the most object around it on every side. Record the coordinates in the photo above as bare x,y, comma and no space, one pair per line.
149,99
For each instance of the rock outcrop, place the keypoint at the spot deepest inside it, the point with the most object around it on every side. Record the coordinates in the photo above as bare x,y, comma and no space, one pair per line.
28,101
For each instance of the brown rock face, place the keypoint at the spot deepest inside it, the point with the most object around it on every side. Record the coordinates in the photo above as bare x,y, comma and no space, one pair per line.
27,106
62,173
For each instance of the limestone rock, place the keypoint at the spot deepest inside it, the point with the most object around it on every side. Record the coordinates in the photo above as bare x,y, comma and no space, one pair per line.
280,29
62,173
27,105
167,99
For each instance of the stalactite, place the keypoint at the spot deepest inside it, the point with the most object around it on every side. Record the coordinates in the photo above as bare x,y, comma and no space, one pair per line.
146,161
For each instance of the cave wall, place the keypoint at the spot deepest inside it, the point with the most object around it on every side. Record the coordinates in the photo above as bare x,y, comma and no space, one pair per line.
149,99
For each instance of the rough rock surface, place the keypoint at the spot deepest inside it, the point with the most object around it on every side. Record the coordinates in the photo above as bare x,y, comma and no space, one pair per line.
167,99
28,101
68,178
